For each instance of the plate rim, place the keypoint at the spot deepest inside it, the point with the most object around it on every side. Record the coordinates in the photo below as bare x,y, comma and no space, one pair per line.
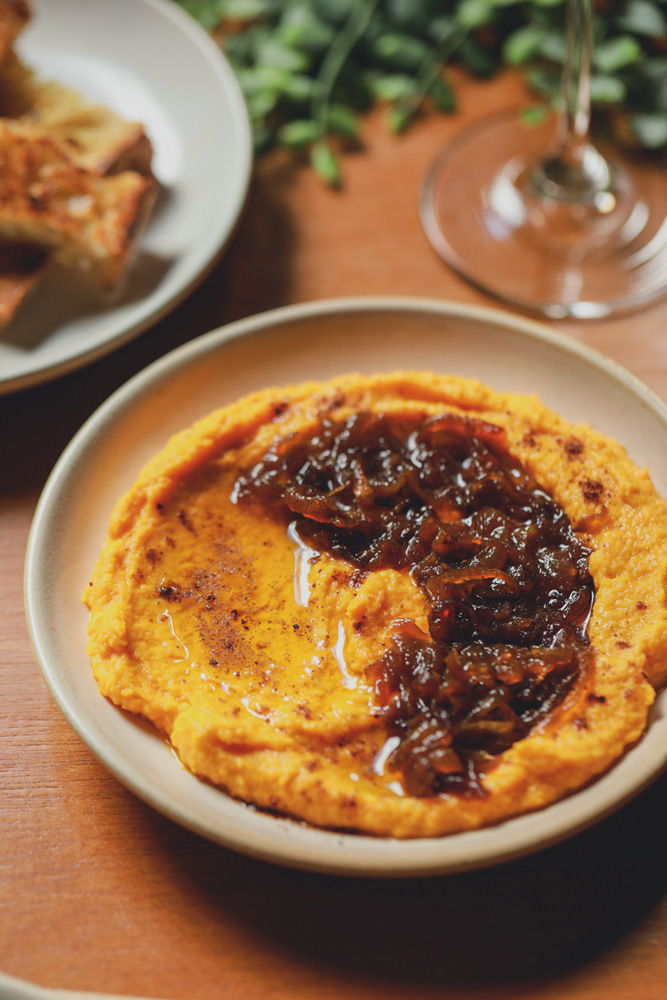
164,304
294,848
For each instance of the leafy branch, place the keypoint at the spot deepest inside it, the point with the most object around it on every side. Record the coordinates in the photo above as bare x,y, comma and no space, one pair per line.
309,69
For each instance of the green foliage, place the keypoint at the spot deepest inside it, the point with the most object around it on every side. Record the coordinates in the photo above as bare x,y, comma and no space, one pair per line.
310,68
325,163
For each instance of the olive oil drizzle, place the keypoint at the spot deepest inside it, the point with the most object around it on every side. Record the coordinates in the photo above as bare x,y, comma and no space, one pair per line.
508,590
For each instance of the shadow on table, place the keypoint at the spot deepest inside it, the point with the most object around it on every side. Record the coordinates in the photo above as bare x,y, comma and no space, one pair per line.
529,920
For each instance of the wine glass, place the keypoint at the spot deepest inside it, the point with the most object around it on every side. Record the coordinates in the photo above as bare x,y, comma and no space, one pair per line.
543,219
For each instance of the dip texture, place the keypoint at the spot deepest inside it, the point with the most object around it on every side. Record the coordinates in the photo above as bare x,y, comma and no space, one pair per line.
314,664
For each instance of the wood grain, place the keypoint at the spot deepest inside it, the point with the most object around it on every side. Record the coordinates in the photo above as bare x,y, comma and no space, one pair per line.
99,892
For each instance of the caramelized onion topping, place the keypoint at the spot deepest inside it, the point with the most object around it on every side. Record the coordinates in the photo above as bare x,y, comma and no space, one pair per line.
506,580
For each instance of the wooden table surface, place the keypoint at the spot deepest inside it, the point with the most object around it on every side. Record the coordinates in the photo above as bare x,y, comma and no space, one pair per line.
99,892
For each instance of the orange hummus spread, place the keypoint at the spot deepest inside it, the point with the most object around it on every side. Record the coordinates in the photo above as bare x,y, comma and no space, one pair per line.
403,605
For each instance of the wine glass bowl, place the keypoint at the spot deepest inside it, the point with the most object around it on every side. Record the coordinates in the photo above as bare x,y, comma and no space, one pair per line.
542,218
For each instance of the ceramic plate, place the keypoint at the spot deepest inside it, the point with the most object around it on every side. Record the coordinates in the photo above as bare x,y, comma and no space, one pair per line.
296,343
12,988
148,61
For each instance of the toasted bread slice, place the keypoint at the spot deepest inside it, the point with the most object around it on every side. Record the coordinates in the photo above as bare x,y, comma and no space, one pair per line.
87,221
14,15
95,136
92,137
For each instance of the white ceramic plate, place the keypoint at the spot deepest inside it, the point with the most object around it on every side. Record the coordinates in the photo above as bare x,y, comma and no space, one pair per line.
12,988
148,61
311,341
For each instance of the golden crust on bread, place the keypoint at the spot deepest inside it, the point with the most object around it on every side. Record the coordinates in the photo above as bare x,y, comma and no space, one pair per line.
55,150
87,221
95,136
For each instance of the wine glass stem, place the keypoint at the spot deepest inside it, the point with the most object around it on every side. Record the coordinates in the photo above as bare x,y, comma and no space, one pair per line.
574,171
575,87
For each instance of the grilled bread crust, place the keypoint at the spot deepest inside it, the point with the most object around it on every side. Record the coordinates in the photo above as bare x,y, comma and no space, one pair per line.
85,220
76,182
94,136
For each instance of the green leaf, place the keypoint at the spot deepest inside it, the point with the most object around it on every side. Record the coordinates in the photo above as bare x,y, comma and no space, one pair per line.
336,12
474,13
535,115
261,104
441,28
413,16
393,86
523,44
273,53
650,130
298,89
552,47
239,49
641,17
256,79
607,89
399,117
442,95
301,28
298,134
325,164
617,53
341,121
398,51
242,10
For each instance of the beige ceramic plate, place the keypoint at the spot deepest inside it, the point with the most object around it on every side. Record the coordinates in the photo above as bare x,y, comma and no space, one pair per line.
311,341
12,988
148,61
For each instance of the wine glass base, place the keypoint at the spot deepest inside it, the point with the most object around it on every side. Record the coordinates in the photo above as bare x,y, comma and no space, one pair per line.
478,216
